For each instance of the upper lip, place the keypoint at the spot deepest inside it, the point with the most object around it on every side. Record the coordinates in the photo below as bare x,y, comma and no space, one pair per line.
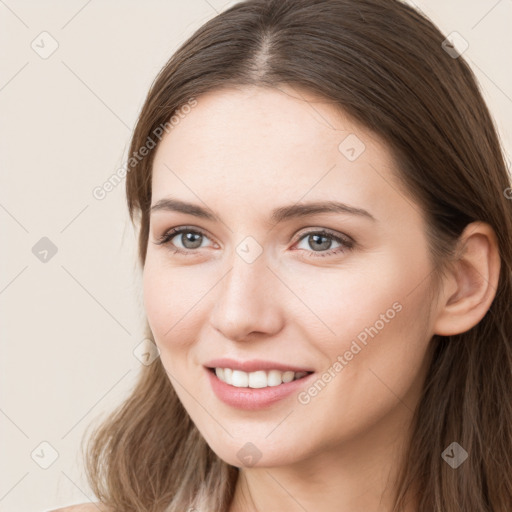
253,365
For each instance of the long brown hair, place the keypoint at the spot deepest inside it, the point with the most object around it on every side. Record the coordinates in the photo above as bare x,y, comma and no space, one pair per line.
384,64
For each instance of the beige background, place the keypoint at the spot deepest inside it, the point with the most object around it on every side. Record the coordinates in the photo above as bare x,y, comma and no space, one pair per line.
69,325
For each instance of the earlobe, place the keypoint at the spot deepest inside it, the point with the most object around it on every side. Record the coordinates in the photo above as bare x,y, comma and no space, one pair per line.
470,286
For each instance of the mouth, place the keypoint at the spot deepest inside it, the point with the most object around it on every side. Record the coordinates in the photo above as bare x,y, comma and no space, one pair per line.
257,379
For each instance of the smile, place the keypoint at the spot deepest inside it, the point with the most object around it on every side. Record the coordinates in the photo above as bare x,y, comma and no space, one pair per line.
256,379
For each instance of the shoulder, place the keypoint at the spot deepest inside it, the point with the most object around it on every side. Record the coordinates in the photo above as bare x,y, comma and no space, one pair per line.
83,507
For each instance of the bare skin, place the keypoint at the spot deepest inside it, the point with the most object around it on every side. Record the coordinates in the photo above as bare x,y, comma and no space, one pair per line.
241,153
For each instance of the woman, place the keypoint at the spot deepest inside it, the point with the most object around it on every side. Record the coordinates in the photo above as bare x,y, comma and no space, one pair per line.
326,244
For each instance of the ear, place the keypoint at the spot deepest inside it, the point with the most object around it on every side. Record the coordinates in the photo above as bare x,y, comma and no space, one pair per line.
471,283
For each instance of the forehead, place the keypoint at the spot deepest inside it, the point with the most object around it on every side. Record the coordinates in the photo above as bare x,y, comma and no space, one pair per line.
251,119
254,145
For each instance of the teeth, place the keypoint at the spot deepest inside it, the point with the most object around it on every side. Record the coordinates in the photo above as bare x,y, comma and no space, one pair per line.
258,379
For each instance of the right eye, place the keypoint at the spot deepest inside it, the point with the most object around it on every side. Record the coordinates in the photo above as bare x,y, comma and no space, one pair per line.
189,238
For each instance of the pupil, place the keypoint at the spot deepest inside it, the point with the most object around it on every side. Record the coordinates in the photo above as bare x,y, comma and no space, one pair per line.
324,245
189,238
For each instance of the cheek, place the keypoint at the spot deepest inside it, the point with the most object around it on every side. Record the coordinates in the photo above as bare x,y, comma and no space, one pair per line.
176,302
373,317
383,333
167,300
375,367
335,305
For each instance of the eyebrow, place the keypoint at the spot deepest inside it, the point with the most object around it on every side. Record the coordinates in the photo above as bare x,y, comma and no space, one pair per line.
280,214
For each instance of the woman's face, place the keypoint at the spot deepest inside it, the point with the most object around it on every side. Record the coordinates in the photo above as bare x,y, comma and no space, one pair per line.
259,282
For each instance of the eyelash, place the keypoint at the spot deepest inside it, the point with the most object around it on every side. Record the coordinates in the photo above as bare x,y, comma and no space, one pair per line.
347,243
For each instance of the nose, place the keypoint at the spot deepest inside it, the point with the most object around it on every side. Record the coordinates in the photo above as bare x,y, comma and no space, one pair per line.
247,301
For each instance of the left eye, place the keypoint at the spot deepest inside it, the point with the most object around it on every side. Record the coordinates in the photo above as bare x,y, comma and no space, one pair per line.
321,242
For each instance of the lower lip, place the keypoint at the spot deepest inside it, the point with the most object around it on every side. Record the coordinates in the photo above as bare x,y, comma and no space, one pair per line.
254,398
